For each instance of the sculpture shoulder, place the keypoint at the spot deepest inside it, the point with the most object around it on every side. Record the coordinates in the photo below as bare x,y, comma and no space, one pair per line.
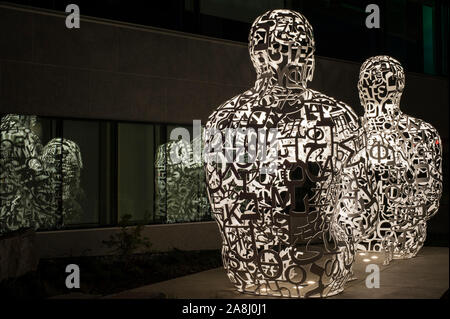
336,105
432,138
343,116
234,111
429,129
231,110
423,128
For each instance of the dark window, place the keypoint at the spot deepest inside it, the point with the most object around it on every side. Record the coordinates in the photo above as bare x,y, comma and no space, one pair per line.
101,171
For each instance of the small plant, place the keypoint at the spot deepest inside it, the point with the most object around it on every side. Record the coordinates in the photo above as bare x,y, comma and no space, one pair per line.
128,240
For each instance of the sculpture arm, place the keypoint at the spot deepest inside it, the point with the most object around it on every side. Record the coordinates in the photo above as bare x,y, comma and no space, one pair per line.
357,199
435,178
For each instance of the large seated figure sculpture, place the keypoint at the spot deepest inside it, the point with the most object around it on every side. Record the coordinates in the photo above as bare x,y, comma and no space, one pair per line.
273,155
405,154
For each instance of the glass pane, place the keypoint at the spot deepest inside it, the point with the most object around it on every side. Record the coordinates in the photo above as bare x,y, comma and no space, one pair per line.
428,40
136,143
444,37
81,185
181,191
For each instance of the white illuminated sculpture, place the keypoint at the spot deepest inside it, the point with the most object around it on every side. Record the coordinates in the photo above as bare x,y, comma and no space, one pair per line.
405,154
273,159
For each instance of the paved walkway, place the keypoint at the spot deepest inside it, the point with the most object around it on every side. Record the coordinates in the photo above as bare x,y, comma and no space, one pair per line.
425,276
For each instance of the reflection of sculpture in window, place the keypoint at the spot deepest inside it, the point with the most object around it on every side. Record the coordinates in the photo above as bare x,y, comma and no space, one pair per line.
36,178
278,216
180,187
161,188
405,154
62,161
23,178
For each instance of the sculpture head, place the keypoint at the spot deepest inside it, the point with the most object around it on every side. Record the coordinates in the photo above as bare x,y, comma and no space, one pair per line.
15,120
281,46
381,83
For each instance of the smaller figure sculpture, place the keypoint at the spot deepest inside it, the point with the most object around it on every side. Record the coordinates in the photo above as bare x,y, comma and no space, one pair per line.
405,154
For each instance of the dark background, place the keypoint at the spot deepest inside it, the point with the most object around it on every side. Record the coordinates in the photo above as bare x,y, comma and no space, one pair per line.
408,27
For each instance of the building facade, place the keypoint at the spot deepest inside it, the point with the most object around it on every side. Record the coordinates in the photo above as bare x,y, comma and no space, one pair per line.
118,90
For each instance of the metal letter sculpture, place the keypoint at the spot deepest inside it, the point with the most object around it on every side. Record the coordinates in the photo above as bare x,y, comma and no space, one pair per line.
405,154
277,214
